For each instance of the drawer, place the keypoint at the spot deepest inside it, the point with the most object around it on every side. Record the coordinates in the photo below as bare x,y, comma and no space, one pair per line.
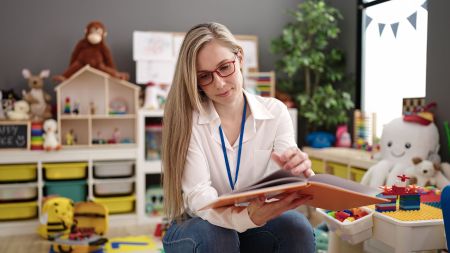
118,204
65,171
337,169
10,173
18,192
356,174
18,211
113,188
75,190
318,166
113,169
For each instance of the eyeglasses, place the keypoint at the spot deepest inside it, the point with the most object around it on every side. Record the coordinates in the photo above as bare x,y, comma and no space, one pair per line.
205,78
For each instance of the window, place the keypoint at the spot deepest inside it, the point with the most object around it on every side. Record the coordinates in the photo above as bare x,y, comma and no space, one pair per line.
393,56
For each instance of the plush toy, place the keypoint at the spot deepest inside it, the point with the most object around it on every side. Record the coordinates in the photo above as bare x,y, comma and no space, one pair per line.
343,138
401,141
320,139
36,97
56,218
20,112
51,141
425,172
92,50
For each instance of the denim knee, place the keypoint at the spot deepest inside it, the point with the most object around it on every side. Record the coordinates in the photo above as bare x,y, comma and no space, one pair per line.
199,236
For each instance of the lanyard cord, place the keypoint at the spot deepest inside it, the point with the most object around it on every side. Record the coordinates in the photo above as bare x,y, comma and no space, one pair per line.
241,136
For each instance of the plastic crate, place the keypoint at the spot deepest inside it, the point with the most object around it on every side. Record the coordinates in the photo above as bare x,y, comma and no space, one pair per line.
356,174
65,171
317,165
75,190
18,192
353,232
118,204
17,173
18,211
113,188
113,169
337,169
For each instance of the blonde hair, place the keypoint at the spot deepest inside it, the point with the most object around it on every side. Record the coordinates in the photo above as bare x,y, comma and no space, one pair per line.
183,99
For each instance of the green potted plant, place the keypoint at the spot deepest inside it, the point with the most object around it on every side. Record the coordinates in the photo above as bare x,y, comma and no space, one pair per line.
310,67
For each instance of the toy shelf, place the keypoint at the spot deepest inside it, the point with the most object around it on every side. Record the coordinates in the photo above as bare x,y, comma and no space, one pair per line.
97,109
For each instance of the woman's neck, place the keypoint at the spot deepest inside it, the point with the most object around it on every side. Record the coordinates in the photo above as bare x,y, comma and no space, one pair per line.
230,111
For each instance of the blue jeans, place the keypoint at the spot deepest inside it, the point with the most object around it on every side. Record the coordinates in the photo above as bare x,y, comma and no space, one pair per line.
289,233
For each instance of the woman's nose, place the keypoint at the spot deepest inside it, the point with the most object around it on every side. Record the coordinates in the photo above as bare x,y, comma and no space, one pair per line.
219,81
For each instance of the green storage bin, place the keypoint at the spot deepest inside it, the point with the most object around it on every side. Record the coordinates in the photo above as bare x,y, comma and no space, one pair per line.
75,189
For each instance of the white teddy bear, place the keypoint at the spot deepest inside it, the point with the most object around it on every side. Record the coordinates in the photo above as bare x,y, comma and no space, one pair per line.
20,112
51,141
425,172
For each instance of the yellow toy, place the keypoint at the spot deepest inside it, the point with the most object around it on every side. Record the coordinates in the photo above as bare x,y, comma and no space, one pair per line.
56,218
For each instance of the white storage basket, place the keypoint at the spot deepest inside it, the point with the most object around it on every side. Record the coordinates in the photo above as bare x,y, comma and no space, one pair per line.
113,169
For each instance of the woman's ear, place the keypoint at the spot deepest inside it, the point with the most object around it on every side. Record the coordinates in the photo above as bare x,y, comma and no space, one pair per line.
240,55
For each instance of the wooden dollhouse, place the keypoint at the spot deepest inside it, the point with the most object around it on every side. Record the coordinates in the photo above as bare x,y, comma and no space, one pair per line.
96,110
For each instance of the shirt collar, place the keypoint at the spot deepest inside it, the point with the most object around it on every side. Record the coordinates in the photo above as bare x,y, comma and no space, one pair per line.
258,110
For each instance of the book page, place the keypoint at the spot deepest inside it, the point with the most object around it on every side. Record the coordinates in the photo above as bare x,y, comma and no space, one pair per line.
344,184
279,177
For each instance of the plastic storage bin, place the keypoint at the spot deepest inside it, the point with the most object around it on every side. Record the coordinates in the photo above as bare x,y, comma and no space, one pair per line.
18,211
356,174
18,192
318,166
17,173
75,190
337,169
118,204
65,171
113,169
353,232
113,188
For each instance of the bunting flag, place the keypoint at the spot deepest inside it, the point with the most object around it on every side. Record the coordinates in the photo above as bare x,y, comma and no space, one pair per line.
412,19
394,28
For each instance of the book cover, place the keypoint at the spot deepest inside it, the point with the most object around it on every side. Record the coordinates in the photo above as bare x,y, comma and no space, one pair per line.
328,191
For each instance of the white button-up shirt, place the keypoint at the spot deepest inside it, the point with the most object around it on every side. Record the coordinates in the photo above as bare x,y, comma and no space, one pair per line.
268,128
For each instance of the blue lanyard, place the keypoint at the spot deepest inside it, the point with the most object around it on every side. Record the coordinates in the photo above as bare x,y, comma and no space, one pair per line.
241,136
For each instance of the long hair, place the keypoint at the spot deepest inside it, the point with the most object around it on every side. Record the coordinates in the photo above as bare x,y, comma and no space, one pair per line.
184,98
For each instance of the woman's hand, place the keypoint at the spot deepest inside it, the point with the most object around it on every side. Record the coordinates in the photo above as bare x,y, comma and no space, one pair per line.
295,161
260,212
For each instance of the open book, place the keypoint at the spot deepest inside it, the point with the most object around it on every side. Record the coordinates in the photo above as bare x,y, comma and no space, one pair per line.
328,191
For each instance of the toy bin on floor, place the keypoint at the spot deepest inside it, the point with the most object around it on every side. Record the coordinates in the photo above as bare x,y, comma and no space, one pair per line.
65,171
18,211
10,173
75,190
113,169
353,232
113,188
117,205
18,192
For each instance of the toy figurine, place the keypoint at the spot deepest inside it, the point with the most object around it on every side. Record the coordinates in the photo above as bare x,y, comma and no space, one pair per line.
92,108
76,108
67,106
71,138
116,135
20,112
51,141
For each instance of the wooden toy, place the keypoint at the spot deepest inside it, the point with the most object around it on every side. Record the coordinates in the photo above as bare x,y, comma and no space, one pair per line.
102,104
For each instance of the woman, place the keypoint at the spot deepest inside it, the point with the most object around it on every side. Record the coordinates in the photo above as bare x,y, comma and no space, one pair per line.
217,138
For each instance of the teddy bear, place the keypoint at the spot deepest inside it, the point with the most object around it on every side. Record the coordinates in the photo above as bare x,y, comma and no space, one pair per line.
36,97
401,141
51,141
425,172
20,112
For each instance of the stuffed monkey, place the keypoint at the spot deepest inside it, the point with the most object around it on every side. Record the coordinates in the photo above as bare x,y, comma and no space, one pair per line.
92,50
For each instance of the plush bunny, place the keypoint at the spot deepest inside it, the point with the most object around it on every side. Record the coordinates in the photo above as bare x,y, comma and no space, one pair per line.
51,141
36,97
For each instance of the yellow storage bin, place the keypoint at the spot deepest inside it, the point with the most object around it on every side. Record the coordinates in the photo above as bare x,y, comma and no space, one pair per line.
17,173
62,171
318,166
118,204
18,211
337,169
356,174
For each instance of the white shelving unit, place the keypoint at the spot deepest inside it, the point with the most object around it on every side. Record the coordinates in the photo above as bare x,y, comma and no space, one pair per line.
70,155
145,167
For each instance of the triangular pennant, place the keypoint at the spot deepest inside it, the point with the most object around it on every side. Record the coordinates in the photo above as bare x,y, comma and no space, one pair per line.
413,19
425,5
368,20
381,28
394,27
